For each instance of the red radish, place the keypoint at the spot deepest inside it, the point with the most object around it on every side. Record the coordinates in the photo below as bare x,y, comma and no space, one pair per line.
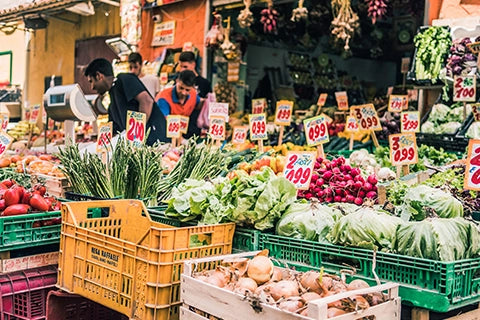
322,170
327,175
372,179
308,195
316,166
320,182
358,185
328,199
11,196
337,198
328,191
314,177
343,199
350,198
16,209
374,188
361,194
359,178
367,186
358,201
328,166
319,160
355,172
348,168
321,194
350,183
312,185
316,190
348,177
371,194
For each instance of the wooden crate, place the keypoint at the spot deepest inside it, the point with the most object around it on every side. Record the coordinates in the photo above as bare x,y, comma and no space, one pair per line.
224,304
410,179
424,314
55,186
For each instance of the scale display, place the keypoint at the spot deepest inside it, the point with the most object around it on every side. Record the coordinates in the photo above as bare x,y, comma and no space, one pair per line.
57,99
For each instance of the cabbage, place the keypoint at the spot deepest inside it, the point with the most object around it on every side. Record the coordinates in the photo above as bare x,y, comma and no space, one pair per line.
437,239
428,127
456,113
365,228
422,199
439,112
449,127
474,131
309,221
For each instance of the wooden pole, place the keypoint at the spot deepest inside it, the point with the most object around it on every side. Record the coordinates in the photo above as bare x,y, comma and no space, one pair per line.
350,147
320,151
464,111
405,170
280,135
260,146
174,142
399,171
374,139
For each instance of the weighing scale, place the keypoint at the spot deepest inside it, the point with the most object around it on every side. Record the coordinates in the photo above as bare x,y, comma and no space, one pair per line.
67,103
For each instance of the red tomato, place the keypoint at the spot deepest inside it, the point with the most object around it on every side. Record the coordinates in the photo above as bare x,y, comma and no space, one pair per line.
12,196
8,183
2,205
16,209
26,197
41,189
39,203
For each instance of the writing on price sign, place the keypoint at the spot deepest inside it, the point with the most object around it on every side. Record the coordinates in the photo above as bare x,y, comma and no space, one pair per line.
283,114
136,127
403,149
259,105
299,168
217,128
5,119
342,100
464,88
184,124
173,126
316,131
476,111
104,137
5,141
239,134
366,116
351,125
218,109
322,98
472,170
34,113
410,121
257,126
397,103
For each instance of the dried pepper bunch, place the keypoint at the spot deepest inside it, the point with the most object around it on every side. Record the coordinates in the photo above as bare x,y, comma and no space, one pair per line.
377,9
299,13
245,18
345,23
269,18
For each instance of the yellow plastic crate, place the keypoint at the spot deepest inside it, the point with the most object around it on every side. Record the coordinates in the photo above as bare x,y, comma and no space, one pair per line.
127,262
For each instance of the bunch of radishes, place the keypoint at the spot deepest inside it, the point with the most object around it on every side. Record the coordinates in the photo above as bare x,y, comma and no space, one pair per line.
377,9
335,181
269,19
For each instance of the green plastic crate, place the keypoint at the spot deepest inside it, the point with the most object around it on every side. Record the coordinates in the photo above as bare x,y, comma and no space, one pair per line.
434,285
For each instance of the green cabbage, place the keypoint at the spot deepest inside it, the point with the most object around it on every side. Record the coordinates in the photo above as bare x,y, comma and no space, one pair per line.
428,127
422,199
439,113
365,228
473,131
449,127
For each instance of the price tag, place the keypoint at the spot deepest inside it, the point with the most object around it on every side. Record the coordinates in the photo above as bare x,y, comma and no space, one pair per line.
351,124
257,126
283,114
322,99
342,100
366,116
403,149
259,105
218,109
299,168
163,78
476,111
239,135
5,119
397,103
184,120
5,141
217,128
34,113
405,65
465,88
327,118
472,170
173,126
136,127
410,121
316,131
104,137
187,46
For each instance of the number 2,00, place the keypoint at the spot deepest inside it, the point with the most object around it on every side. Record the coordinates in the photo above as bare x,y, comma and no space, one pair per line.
136,131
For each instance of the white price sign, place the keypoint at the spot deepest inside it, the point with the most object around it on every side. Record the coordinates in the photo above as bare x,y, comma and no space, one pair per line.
218,109
397,103
173,126
366,116
410,121
322,98
257,126
342,100
351,125
184,124
239,135
316,131
465,88
472,170
299,168
136,127
5,141
259,105
104,137
403,149
34,113
217,128
5,119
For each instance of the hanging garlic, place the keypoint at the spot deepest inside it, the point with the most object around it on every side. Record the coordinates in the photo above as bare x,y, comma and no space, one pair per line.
299,13
345,23
215,35
245,18
229,49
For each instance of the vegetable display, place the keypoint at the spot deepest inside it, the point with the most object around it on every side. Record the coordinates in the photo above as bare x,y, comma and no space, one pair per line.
444,119
461,60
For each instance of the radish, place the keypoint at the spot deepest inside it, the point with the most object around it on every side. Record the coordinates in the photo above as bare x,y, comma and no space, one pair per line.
338,191
374,188
371,194
321,194
322,170
328,199
316,190
320,182
355,172
308,195
372,179
327,175
350,198
348,177
348,168
337,198
367,186
358,201
359,178
361,194
344,199
314,177
319,160
316,166
328,191
336,171
358,185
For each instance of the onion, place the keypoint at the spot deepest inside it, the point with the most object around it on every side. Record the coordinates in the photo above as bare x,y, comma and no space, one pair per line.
360,302
215,281
338,286
260,269
277,274
309,296
245,285
333,312
237,263
375,298
310,281
222,276
284,289
291,304
304,312
357,284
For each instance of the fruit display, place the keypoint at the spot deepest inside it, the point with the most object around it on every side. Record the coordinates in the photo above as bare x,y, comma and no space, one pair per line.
276,163
43,164
22,129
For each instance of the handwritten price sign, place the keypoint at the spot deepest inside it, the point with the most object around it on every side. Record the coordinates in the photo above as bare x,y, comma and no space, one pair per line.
258,126
299,168
283,114
218,109
327,118
351,124
104,137
472,171
5,119
173,126
367,117
136,127
322,99
5,141
34,113
316,131
410,121
184,124
259,105
217,128
342,100
397,103
403,149
476,111
465,88
239,135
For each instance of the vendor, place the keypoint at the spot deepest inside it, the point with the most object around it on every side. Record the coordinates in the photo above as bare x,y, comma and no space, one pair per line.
126,93
151,82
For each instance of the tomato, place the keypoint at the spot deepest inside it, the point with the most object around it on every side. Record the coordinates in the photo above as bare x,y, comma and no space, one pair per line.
8,183
26,197
41,189
20,190
2,205
12,196
39,203
16,209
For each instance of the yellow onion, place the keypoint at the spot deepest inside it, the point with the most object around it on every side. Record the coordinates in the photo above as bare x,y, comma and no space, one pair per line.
309,296
245,285
357,284
260,269
291,304
333,312
284,289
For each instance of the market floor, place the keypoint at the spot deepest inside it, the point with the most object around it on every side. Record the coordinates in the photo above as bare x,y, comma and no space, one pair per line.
407,312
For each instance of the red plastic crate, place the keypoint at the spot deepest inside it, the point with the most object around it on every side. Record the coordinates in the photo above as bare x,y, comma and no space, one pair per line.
24,293
66,306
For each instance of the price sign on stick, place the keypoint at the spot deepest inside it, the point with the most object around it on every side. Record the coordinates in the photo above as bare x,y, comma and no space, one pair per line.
351,124
217,128
259,105
5,141
299,168
472,170
464,88
283,113
173,126
34,113
239,135
257,126
104,137
5,119
342,100
403,149
136,127
476,111
397,103
163,78
218,109
405,65
322,98
184,124
316,131
410,121
367,117
327,118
